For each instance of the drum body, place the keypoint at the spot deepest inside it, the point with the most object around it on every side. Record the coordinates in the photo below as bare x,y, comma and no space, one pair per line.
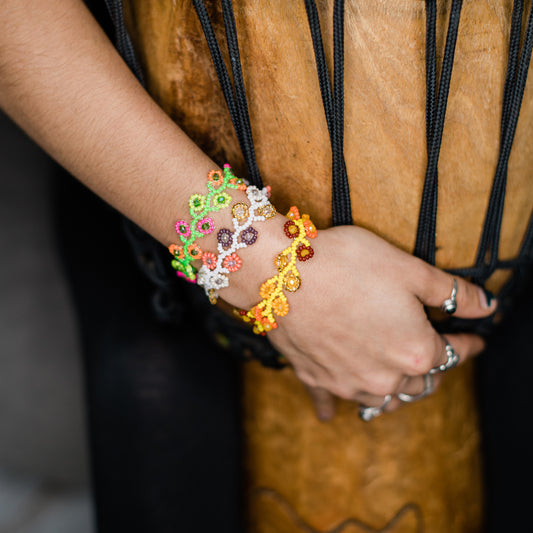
417,469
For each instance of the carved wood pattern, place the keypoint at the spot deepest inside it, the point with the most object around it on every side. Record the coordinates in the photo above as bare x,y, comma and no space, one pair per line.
283,517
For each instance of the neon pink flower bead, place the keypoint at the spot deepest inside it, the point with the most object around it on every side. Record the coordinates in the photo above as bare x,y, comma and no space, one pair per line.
205,226
232,262
182,228
209,260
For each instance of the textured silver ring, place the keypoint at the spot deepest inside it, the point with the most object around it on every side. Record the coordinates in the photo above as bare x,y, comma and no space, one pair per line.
368,413
451,361
449,305
428,389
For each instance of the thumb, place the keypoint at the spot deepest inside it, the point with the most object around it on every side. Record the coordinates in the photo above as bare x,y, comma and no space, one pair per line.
472,300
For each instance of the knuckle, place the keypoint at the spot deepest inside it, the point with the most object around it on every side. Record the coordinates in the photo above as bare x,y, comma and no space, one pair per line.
420,359
425,274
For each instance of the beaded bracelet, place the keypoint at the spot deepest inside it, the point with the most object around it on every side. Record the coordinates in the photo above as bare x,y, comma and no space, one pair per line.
199,207
213,275
274,301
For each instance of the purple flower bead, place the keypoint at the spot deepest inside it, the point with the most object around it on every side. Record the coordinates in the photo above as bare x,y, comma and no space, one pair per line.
225,238
249,236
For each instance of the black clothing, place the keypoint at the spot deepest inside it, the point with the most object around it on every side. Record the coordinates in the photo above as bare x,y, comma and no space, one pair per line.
163,403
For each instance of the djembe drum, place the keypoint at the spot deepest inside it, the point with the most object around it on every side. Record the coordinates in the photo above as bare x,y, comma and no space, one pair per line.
417,469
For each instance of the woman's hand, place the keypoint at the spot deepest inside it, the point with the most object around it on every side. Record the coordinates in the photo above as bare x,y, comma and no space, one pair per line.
357,327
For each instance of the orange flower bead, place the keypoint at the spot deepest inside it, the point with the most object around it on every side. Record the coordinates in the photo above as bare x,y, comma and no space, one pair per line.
280,306
274,302
194,251
215,177
267,288
232,262
173,248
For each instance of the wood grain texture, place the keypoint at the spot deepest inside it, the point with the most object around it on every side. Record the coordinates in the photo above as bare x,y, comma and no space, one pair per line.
385,123
427,454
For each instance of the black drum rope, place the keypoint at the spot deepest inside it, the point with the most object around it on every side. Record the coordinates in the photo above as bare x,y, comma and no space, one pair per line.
516,77
235,97
487,260
122,38
436,104
321,65
431,68
341,205
240,93
333,103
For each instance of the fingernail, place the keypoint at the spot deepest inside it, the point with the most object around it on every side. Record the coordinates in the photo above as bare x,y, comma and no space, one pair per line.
486,298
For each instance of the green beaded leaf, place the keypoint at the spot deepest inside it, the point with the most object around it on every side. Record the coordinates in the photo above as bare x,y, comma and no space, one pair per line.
190,272
177,265
212,188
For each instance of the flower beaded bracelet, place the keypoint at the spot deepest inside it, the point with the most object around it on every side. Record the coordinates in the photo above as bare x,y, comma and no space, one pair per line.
213,275
274,301
199,207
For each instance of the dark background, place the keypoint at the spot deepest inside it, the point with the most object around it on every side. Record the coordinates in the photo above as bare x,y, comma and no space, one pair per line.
43,450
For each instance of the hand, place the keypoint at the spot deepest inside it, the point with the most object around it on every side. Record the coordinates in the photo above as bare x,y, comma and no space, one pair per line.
357,327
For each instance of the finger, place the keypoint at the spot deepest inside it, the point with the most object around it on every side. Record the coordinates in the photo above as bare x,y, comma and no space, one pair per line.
385,405
417,388
324,403
433,353
465,345
435,286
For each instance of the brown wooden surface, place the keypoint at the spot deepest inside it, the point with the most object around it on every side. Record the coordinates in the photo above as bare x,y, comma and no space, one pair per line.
419,469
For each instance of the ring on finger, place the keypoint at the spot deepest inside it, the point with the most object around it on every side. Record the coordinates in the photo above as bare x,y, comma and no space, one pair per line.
451,361
368,413
428,389
449,305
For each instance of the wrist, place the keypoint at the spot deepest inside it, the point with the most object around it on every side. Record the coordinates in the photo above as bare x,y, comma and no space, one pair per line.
261,272
214,245
273,292
258,264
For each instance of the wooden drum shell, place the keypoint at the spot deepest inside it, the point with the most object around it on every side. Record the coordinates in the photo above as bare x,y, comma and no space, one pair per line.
417,469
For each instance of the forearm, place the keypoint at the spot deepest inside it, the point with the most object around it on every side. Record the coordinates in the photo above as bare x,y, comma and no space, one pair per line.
66,86
64,83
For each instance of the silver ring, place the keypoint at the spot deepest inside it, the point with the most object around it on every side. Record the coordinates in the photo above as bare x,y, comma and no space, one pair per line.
428,389
453,359
368,413
449,305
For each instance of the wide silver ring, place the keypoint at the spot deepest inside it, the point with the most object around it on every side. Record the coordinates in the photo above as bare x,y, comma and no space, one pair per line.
368,413
428,389
451,361
449,305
